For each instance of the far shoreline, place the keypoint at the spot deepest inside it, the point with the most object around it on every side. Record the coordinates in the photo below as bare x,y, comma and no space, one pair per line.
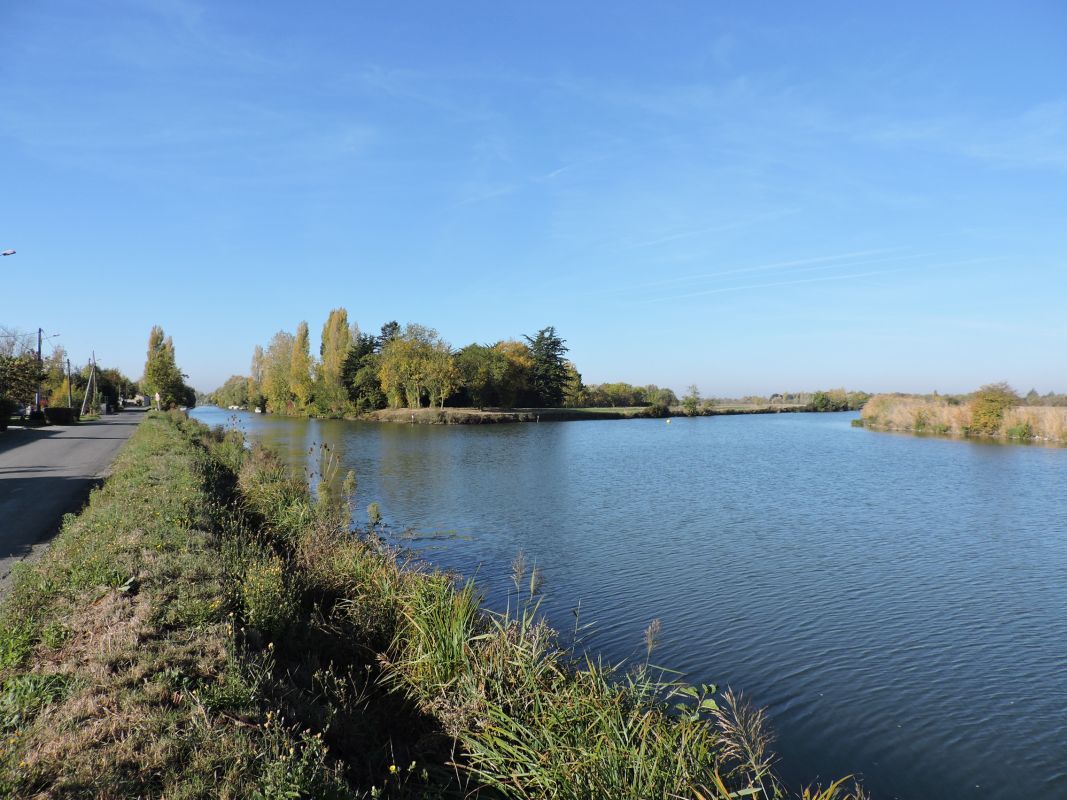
496,416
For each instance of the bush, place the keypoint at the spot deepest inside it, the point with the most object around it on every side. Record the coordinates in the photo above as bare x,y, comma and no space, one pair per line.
988,406
658,411
61,416
1024,430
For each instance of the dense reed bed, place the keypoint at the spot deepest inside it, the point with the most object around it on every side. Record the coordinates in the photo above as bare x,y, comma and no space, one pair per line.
208,628
990,412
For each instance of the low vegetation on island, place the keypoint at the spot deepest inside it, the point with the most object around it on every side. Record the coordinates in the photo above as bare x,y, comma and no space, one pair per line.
209,628
995,410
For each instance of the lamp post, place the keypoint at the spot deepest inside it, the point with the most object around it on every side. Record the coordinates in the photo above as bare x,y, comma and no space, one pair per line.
7,253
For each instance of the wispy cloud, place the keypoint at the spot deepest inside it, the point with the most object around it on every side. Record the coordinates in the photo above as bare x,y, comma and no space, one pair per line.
772,284
695,232
792,265
822,279
1035,138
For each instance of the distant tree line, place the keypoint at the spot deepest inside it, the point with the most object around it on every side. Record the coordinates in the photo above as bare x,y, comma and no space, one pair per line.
621,395
412,366
20,373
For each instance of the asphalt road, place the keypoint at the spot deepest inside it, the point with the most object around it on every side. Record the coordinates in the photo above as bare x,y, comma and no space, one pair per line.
47,472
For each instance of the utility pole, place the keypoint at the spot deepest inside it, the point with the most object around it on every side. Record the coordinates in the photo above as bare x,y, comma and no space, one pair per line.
70,388
40,365
89,385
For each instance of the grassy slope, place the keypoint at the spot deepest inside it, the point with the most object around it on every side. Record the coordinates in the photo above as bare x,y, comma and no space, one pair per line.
121,675
204,629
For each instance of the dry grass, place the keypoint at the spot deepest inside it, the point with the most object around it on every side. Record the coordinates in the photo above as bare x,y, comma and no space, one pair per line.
923,414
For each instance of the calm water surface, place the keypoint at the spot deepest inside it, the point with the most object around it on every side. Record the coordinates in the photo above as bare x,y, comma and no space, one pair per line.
898,603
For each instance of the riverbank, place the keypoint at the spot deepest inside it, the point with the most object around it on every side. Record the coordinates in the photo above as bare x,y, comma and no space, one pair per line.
972,417
206,629
475,416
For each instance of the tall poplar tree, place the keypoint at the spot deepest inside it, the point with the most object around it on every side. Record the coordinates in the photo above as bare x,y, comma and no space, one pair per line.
336,341
256,396
300,369
161,373
276,368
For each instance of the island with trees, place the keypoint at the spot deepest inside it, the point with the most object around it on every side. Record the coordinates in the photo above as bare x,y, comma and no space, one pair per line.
410,373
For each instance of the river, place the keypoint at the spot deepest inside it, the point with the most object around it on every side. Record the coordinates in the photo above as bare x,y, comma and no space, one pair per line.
898,603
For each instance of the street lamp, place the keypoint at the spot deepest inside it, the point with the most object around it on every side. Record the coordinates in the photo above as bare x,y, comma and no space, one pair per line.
7,253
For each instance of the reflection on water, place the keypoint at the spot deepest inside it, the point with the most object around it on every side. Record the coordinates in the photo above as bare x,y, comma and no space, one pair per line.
899,603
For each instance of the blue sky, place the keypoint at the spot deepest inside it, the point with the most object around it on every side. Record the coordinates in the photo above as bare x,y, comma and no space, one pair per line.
749,197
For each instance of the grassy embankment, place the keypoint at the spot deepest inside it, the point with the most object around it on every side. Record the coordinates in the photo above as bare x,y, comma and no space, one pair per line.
985,415
206,629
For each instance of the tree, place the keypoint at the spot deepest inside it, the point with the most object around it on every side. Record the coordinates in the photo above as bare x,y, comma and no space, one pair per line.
390,331
442,377
336,342
548,376
112,384
573,389
366,389
691,401
359,373
277,365
232,393
18,382
483,370
514,384
300,369
256,398
161,373
416,364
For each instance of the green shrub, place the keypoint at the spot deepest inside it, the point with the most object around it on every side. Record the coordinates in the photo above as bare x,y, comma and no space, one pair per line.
1024,430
